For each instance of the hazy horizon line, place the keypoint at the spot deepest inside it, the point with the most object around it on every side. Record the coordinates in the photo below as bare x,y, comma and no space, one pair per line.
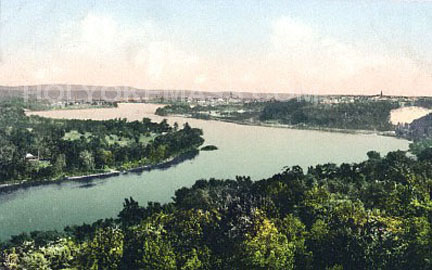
129,87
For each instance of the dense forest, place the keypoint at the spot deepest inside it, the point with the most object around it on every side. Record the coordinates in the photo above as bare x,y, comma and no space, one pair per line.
360,114
368,115
376,214
36,148
227,112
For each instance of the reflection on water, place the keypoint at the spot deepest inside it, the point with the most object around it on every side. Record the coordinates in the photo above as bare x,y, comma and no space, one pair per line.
89,183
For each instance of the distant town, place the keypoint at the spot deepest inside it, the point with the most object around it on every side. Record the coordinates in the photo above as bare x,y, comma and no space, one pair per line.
68,95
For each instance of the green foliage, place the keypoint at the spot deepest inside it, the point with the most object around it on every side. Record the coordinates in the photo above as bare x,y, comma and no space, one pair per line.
267,248
364,113
60,254
173,109
77,147
375,214
367,115
157,253
420,146
104,251
229,112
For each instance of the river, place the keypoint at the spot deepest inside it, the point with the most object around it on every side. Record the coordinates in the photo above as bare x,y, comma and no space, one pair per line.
258,152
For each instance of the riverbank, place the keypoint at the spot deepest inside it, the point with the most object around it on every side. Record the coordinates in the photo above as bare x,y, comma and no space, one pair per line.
135,111
243,150
299,127
6,187
12,186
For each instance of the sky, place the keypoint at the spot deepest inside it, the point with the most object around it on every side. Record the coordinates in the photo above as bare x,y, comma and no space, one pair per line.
297,46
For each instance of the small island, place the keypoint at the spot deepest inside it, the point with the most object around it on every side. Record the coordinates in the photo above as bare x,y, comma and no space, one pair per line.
209,148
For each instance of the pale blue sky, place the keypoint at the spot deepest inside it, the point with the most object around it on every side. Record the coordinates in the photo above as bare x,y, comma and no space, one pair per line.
226,23
227,28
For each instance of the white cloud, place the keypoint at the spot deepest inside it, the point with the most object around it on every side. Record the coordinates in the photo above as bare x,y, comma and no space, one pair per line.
288,33
299,58
306,52
100,50
308,60
200,79
99,34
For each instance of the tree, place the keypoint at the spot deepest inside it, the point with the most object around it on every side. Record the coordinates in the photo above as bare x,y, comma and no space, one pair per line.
61,254
104,158
296,233
158,252
148,246
7,157
10,259
104,251
35,260
59,164
373,155
158,154
87,160
267,248
131,214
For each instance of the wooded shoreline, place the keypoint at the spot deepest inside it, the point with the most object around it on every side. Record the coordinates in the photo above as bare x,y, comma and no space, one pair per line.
299,127
9,187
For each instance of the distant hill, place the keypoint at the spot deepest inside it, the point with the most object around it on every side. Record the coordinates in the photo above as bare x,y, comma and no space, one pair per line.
64,92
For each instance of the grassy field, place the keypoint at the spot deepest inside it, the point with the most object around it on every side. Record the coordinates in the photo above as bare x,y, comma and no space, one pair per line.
111,139
75,135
